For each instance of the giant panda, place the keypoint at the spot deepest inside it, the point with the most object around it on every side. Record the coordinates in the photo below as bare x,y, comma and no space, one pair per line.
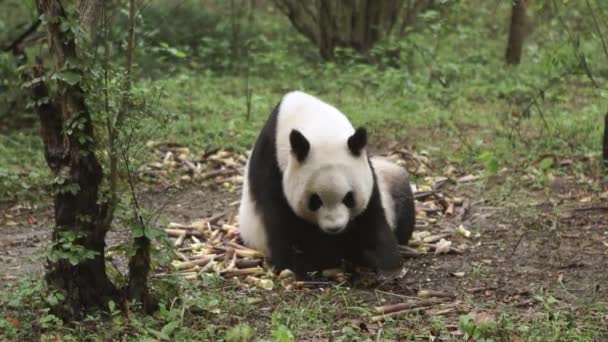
312,197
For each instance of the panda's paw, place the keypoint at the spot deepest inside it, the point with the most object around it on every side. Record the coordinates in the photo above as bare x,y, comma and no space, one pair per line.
381,260
386,275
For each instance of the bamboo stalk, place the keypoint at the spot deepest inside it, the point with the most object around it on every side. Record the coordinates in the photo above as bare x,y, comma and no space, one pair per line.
248,263
192,263
243,272
177,232
180,240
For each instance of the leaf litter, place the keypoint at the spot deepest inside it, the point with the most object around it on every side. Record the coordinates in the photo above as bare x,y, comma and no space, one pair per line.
213,244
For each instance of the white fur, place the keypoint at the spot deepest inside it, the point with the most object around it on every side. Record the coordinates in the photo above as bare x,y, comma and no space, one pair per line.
330,169
388,176
251,226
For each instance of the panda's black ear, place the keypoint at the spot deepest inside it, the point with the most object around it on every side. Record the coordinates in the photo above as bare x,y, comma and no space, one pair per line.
299,145
357,141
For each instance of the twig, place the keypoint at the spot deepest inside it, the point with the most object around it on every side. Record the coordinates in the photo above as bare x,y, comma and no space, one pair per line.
313,283
386,309
398,313
13,45
517,244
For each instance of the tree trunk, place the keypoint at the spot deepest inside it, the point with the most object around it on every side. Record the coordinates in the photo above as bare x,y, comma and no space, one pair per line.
356,24
605,142
89,16
139,264
517,31
67,133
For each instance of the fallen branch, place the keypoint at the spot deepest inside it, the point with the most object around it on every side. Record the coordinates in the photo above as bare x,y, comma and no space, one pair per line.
387,309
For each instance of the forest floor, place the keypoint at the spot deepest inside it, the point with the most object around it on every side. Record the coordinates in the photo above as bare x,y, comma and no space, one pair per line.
535,255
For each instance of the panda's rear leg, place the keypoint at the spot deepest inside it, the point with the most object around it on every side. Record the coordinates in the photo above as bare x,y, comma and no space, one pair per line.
406,215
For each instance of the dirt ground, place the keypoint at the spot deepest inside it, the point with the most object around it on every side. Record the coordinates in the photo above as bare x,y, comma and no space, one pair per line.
514,253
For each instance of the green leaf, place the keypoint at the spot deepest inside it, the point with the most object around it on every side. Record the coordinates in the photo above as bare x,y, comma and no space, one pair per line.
138,231
65,26
282,334
546,163
73,259
69,77
158,334
241,333
170,327
490,162
52,299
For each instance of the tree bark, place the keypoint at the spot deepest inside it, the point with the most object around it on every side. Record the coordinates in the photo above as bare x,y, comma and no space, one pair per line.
357,24
69,154
517,31
89,11
605,142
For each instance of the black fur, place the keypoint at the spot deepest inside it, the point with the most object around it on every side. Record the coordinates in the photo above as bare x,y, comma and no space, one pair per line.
405,212
299,145
300,246
357,141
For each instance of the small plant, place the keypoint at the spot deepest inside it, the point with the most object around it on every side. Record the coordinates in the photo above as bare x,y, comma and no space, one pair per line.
475,329
241,333
66,246
282,334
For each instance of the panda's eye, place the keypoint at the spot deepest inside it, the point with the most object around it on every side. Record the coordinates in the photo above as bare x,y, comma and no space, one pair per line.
314,203
349,200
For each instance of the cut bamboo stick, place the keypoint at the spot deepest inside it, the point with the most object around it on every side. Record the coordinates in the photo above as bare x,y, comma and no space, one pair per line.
192,263
248,263
243,272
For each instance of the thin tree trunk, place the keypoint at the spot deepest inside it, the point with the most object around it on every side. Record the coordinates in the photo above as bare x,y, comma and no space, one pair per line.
517,31
139,264
605,142
70,157
89,16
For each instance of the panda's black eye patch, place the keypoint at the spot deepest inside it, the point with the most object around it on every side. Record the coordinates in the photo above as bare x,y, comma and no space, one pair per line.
314,203
349,200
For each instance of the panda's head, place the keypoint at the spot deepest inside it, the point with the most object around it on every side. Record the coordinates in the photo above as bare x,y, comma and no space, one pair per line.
328,182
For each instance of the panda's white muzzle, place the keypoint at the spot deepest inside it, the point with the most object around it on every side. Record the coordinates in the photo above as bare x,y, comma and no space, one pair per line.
333,221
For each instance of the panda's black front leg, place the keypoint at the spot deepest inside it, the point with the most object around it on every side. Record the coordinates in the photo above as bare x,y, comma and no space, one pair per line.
286,252
378,247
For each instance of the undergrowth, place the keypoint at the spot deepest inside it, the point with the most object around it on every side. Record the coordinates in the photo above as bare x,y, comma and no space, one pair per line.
216,309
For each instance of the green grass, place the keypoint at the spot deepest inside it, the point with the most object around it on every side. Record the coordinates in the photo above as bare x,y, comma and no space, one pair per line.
222,310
